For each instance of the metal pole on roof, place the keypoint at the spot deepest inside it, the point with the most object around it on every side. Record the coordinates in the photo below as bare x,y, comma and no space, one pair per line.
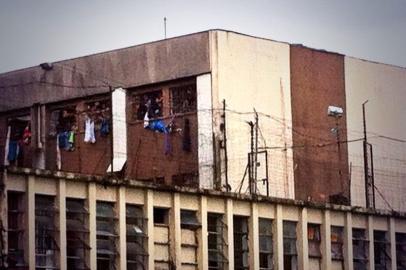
165,26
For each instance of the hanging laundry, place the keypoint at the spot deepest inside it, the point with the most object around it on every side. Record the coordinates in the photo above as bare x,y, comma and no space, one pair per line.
6,148
13,149
89,131
186,141
63,140
58,155
104,128
71,140
27,135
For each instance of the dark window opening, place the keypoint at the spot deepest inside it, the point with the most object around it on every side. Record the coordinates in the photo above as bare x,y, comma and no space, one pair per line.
77,234
188,220
150,104
136,237
46,248
240,242
337,242
289,246
19,136
314,240
161,216
99,112
265,244
63,126
217,245
183,98
401,251
16,215
360,249
106,234
382,250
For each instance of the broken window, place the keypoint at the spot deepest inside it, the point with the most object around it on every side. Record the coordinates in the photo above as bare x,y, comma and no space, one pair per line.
401,251
240,242
106,233
382,250
150,102
265,244
46,248
217,246
15,230
189,225
77,234
136,237
289,245
360,249
63,126
161,238
337,243
18,137
183,98
314,240
99,112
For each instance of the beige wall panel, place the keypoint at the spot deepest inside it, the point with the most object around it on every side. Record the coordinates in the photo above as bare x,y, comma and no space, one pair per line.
215,205
384,88
314,216
290,213
188,255
337,218
161,253
189,202
400,225
108,194
266,210
161,234
45,186
188,237
76,190
254,73
16,183
314,264
162,199
241,208
337,265
135,196
381,223
359,221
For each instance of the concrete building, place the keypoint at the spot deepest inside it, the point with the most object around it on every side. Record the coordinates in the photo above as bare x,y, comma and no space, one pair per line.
207,151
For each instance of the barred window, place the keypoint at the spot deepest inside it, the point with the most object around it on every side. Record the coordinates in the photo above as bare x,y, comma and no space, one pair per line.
183,98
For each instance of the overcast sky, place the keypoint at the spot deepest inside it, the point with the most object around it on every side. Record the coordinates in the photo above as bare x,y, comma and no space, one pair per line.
37,31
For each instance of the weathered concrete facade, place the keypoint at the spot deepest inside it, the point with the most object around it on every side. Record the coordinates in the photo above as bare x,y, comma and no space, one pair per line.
62,188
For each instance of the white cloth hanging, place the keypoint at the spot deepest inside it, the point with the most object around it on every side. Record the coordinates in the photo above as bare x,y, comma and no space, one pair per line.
89,131
58,155
6,163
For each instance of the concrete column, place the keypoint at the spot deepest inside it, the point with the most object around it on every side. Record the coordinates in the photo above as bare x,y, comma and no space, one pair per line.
326,241
347,248
392,239
175,232
303,254
122,229
278,238
30,221
149,215
202,236
253,237
4,211
230,233
61,204
91,201
370,235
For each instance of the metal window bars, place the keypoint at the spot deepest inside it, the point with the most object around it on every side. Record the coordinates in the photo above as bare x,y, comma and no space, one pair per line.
15,231
106,235
360,244
382,250
46,231
241,250
401,251
314,240
265,244
77,234
337,243
289,244
137,237
183,98
217,245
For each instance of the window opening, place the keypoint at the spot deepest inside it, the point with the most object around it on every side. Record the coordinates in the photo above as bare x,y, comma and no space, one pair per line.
289,245
314,240
217,246
97,116
77,234
189,225
106,227
401,251
188,220
337,242
240,242
183,98
16,215
63,126
360,249
136,237
46,248
265,244
148,104
162,256
19,136
161,215
382,250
